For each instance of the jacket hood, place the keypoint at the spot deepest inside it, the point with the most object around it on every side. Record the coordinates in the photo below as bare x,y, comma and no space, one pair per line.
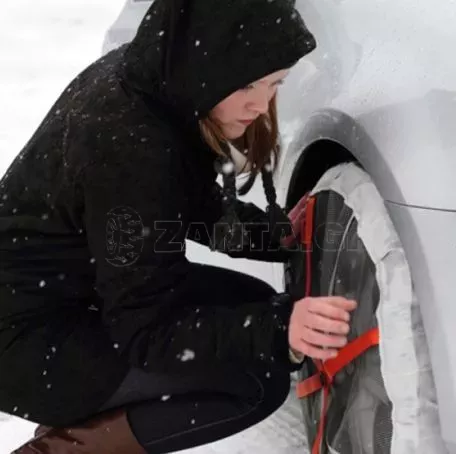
188,55
191,54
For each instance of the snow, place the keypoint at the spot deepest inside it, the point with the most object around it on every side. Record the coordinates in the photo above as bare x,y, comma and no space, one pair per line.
44,44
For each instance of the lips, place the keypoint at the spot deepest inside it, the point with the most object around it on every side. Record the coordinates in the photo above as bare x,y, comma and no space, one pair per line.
246,122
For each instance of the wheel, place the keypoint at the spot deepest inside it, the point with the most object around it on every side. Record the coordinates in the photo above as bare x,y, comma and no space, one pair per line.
383,401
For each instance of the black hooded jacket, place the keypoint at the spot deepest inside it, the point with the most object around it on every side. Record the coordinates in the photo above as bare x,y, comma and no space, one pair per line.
95,210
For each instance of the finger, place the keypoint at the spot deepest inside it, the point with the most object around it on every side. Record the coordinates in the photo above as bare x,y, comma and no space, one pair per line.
326,310
327,325
314,351
342,302
322,340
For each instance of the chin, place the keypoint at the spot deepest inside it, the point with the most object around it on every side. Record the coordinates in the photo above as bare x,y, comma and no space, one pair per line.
234,132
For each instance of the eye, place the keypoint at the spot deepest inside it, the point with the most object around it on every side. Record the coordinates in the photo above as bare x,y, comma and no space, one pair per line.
279,82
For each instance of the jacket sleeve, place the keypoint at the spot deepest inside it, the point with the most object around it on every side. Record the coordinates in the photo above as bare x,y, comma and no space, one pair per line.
264,240
155,314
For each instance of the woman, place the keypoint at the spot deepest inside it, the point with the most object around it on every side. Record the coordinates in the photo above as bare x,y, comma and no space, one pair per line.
108,333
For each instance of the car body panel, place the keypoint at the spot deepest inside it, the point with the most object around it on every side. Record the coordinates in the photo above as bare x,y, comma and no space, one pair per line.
387,83
381,83
429,241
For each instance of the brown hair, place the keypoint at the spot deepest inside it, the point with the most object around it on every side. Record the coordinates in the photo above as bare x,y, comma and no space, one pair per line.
260,140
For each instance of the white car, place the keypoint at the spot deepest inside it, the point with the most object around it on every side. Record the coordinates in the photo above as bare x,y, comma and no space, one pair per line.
379,92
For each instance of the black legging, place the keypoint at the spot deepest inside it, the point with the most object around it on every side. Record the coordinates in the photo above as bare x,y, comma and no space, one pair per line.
231,400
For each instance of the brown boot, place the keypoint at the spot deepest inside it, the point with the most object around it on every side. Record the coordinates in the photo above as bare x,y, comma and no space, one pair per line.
107,433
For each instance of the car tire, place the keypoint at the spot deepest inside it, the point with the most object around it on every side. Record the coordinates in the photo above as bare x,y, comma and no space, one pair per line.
357,253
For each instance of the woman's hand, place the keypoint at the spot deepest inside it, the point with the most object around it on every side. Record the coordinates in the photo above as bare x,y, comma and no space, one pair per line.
319,326
296,216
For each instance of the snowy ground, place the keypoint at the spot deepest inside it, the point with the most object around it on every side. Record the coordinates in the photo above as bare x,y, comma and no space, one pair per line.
44,44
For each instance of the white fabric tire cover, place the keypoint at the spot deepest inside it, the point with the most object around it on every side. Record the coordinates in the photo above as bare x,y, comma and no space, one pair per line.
385,401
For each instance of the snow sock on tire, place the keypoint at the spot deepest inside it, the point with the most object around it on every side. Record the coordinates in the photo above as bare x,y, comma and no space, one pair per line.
378,395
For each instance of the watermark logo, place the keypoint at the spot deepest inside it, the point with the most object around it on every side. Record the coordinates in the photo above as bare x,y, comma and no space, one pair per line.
124,236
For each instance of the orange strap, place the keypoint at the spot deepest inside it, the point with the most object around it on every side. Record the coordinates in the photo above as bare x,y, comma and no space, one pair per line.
328,369
331,367
306,238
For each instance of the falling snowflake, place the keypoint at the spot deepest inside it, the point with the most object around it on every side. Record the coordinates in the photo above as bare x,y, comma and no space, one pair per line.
161,33
227,168
197,42
248,321
42,284
165,397
187,355
116,345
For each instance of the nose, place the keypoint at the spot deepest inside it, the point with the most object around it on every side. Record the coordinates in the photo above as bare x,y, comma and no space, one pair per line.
260,103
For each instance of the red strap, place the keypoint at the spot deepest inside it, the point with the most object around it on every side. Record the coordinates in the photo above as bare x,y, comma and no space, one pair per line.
328,369
331,367
306,238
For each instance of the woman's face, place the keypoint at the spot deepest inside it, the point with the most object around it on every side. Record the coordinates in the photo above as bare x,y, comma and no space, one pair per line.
238,110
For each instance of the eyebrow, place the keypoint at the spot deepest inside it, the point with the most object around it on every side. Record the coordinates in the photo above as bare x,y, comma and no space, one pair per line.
278,80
